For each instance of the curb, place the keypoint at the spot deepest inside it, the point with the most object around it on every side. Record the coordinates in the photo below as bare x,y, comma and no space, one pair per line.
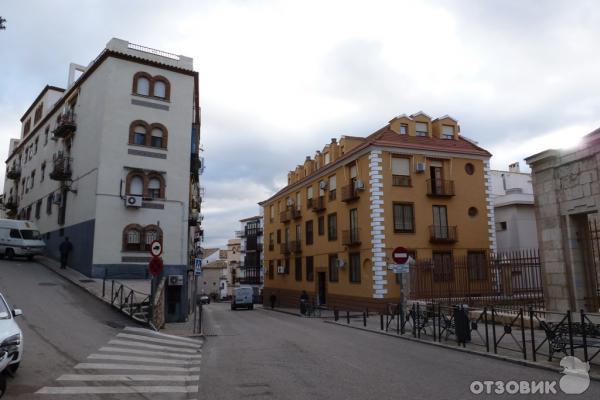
525,363
280,311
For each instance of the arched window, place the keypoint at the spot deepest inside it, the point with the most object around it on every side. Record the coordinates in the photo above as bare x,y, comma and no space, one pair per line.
136,186
160,89
154,188
143,87
139,135
157,138
132,238
151,233
157,86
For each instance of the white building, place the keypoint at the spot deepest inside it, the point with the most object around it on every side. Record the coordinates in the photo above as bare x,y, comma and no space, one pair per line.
112,161
512,194
251,257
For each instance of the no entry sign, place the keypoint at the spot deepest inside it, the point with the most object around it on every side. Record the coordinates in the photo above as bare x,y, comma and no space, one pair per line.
400,255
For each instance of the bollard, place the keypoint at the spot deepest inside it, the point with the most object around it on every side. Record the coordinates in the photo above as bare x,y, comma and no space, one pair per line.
381,321
347,317
336,314
364,319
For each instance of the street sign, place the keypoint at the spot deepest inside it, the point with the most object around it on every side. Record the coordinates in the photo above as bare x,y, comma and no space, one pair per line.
156,266
197,266
399,268
400,255
156,248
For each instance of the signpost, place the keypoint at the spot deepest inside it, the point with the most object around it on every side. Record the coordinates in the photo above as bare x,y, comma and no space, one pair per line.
155,267
401,267
197,266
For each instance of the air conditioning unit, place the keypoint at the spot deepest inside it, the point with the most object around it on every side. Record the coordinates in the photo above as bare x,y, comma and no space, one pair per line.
341,263
323,185
420,167
281,269
57,199
175,280
133,201
359,185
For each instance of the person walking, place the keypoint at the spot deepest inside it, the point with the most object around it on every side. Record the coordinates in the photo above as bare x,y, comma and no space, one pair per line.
65,248
303,302
272,299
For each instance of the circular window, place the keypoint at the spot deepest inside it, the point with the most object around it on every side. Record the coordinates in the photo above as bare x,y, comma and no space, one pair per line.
469,168
472,211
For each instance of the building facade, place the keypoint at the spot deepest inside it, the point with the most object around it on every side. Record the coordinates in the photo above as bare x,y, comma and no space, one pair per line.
512,193
566,184
414,183
251,266
112,161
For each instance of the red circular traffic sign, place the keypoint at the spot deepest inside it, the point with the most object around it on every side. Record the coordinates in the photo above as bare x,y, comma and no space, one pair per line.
155,266
156,248
400,255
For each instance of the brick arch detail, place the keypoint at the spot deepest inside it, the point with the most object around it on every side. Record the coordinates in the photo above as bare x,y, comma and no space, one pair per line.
164,130
133,174
161,179
137,76
160,78
133,125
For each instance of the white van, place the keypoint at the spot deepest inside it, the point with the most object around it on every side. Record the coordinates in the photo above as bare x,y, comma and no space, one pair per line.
242,297
20,238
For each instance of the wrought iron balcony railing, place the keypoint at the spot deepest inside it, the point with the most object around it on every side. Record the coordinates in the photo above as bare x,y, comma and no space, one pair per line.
66,125
351,237
61,169
440,187
319,204
442,234
349,193
14,172
284,248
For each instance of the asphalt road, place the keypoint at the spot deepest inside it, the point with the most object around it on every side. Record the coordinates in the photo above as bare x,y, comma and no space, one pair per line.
61,324
263,354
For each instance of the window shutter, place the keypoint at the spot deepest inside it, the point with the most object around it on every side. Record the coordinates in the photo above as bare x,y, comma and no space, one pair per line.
447,131
332,183
143,86
353,171
400,166
136,186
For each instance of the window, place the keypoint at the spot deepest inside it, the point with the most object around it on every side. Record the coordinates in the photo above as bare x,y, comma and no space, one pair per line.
35,145
271,270
354,267
26,127
298,268
309,232
469,169
442,266
46,134
501,226
298,201
476,264
321,190
143,86
136,186
151,234
133,238
160,89
14,233
278,236
332,226
157,138
309,197
327,158
32,179
400,171
310,273
154,188
422,129
332,187
38,113
138,238
38,209
447,132
333,268
403,129
49,202
321,225
404,218
139,135
271,241
272,213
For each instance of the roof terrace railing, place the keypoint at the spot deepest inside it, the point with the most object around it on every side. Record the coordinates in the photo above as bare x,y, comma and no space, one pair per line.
145,49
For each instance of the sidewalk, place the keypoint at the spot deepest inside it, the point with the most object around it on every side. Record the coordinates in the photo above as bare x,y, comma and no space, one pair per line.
321,313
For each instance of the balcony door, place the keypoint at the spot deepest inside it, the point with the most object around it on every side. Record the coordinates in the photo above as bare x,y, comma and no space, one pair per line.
440,222
354,225
436,172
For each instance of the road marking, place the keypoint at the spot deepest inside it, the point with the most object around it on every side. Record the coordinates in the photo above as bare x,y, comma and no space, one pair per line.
154,333
117,357
153,346
157,340
117,389
135,367
149,352
128,378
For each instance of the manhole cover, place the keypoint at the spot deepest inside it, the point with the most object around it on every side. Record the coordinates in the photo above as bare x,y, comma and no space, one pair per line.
87,280
116,325
47,284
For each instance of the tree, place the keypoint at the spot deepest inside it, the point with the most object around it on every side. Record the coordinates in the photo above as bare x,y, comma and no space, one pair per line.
2,21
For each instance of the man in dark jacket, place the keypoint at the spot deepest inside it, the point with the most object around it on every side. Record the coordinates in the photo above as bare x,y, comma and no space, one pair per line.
65,248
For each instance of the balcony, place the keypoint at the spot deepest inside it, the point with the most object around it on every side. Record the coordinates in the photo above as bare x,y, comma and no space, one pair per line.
61,169
66,125
295,213
11,203
401,180
13,173
440,188
319,204
285,216
349,193
442,234
351,237
296,246
309,203
284,248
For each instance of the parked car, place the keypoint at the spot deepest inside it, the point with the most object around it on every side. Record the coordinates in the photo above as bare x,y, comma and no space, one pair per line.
11,336
242,297
204,299
20,238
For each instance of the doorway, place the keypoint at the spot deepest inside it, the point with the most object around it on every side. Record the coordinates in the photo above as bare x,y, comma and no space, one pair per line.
321,288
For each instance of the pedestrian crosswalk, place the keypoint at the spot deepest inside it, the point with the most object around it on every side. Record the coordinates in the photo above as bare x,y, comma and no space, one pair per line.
136,361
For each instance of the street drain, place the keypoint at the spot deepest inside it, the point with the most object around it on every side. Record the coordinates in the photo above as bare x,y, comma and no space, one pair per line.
47,284
87,280
115,325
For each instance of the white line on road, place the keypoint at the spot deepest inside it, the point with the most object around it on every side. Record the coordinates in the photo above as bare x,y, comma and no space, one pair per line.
116,357
157,340
153,333
116,389
149,352
154,346
127,378
135,367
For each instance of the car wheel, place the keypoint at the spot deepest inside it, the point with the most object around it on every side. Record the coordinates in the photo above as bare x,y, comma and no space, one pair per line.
29,258
251,307
10,254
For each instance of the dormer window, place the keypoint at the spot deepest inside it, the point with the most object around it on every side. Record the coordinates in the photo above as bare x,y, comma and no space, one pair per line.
422,129
327,158
447,132
403,129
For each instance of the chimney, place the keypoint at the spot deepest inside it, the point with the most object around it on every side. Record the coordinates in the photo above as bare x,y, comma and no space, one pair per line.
514,167
333,140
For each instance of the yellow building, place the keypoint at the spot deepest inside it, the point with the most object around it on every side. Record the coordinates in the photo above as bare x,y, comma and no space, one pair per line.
414,183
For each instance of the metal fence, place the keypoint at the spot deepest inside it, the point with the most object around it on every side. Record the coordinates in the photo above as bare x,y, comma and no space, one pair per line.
510,280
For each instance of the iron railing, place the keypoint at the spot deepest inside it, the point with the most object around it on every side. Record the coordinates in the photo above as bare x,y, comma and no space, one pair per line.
349,193
66,125
442,234
13,172
61,169
132,302
351,237
318,204
440,187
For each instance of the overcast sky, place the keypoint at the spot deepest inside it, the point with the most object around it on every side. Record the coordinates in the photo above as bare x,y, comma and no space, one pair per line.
278,79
